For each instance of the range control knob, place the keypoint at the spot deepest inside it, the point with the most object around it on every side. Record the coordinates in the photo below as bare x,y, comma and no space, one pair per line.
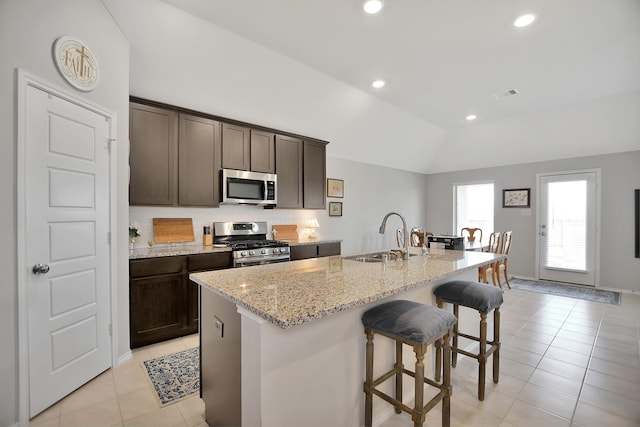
264,251
252,252
243,253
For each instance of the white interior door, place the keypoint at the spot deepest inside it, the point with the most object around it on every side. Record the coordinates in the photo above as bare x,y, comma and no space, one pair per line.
567,228
67,246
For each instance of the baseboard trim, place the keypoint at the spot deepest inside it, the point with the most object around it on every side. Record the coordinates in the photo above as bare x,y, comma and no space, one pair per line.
128,355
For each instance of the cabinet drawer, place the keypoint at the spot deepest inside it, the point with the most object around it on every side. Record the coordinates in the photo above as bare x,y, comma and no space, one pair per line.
213,261
154,266
329,249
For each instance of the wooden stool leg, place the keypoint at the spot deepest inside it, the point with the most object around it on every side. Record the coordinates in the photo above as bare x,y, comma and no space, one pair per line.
418,411
399,367
438,345
482,356
446,381
368,400
496,342
454,355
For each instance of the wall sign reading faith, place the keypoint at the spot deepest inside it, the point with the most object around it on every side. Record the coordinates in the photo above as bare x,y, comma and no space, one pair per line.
76,63
516,198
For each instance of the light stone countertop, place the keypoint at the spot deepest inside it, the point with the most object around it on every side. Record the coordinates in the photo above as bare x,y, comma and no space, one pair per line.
175,250
291,293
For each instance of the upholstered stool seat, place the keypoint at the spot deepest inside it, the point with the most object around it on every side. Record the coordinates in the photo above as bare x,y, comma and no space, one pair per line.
483,299
417,325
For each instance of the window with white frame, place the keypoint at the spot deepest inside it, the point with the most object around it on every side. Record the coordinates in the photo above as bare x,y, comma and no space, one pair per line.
473,208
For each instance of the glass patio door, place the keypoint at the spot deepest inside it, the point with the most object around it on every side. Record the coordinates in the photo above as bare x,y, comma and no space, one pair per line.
567,227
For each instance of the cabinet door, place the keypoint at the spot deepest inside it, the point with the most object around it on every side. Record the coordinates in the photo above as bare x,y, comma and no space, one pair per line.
236,147
314,175
153,157
202,262
329,249
199,164
289,171
263,152
303,251
157,310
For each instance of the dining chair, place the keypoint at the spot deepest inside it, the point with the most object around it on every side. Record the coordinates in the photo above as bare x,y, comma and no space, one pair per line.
498,266
471,232
419,236
495,241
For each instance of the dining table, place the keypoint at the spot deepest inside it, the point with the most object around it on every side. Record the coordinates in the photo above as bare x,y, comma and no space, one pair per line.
475,246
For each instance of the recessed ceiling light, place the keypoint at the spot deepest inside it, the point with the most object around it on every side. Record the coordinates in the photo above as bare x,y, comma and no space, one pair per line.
471,117
524,20
378,84
372,6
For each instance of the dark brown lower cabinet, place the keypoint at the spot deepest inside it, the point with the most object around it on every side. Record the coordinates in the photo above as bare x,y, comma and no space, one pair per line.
163,302
315,250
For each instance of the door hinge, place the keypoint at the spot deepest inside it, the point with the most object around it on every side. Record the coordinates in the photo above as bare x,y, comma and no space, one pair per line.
108,237
109,142
110,328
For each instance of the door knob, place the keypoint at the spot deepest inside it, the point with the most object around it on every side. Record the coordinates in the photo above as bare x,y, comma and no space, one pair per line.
542,233
40,269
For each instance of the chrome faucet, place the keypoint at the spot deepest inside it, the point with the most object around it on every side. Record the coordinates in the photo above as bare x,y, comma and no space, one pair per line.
405,249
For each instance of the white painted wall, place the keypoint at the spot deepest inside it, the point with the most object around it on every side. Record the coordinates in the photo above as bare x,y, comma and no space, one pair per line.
620,176
28,29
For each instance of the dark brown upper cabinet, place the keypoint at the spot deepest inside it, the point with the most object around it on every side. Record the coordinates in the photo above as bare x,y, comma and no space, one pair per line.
314,175
247,149
199,148
263,152
289,170
153,157
236,147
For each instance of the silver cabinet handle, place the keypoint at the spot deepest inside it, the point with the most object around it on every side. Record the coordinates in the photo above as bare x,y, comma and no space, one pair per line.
40,269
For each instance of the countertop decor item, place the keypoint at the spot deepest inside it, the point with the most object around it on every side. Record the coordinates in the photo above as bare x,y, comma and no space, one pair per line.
516,198
285,232
312,224
134,233
173,230
335,188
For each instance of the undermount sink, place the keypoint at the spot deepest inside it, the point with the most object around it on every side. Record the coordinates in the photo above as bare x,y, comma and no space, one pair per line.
376,256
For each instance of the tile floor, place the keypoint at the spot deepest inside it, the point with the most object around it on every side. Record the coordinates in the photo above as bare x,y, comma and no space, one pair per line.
564,362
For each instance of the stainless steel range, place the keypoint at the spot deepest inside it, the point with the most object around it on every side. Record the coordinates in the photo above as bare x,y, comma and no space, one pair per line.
249,243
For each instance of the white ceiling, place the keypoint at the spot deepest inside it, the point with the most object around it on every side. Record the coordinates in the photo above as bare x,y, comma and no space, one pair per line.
444,59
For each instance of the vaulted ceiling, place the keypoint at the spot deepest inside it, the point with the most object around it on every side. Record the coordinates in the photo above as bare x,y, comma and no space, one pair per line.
442,60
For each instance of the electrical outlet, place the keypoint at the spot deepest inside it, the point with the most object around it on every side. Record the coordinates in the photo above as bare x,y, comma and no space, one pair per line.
219,326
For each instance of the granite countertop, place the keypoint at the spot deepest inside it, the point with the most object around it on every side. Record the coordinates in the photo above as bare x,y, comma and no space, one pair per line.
292,293
175,250
190,249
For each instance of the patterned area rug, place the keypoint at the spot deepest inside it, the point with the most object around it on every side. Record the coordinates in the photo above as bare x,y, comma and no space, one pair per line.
175,376
567,290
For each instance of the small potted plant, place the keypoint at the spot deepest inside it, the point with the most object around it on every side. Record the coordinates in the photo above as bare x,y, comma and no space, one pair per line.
133,234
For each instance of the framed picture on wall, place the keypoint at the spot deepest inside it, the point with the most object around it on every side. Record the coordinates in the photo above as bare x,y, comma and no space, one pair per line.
335,208
516,198
335,188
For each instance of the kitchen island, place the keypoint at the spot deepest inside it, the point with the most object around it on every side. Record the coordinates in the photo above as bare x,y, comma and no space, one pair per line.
289,334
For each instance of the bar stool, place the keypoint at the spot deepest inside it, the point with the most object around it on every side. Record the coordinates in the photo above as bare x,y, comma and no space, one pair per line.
417,325
482,298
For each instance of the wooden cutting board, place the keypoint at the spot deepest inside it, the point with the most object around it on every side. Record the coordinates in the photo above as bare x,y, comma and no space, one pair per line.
173,230
286,232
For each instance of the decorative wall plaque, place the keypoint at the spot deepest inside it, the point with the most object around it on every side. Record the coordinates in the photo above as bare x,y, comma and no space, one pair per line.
76,63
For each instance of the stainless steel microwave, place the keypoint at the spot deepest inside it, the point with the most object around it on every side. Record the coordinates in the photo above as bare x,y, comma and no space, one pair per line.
249,188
